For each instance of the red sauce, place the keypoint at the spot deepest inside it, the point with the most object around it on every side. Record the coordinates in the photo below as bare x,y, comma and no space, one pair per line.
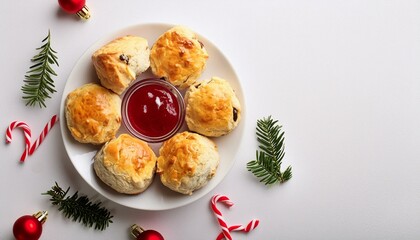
153,110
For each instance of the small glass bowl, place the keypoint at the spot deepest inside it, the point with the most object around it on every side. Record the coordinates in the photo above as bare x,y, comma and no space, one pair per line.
159,83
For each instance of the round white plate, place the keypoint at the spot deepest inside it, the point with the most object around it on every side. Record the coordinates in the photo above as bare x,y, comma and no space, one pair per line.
157,196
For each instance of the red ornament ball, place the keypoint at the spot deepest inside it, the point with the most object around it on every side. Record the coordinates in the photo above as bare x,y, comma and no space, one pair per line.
72,6
150,235
27,228
140,234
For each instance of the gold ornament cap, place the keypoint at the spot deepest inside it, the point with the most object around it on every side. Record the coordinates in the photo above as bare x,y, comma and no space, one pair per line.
41,216
136,230
84,13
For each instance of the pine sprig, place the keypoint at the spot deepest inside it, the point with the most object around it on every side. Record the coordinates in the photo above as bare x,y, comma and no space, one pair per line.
267,165
38,82
80,208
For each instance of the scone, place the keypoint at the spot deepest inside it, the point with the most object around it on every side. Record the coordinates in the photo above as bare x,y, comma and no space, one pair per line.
178,56
93,113
126,164
187,162
119,62
212,108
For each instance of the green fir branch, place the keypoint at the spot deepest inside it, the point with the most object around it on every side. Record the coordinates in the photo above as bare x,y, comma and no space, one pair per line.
267,165
80,208
38,82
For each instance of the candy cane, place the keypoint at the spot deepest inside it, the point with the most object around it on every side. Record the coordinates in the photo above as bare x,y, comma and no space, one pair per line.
27,133
29,148
223,225
251,226
44,133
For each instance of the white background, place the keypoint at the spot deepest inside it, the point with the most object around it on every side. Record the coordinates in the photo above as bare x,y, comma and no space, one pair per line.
343,78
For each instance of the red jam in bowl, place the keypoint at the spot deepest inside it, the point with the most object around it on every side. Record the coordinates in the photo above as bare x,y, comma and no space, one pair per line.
153,110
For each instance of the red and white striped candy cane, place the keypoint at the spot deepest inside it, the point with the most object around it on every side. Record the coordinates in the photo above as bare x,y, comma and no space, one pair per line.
27,133
223,225
44,133
29,148
251,226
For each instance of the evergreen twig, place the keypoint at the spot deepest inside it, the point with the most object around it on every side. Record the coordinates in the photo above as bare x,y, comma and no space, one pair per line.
80,208
38,82
267,165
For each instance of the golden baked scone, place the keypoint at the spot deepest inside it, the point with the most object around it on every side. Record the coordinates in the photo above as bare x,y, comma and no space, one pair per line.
212,108
178,56
126,164
119,62
93,113
187,162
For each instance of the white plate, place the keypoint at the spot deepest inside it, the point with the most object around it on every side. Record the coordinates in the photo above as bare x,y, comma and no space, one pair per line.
157,196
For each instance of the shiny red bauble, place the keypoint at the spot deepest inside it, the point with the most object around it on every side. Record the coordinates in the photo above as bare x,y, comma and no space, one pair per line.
72,6
27,227
140,234
150,235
